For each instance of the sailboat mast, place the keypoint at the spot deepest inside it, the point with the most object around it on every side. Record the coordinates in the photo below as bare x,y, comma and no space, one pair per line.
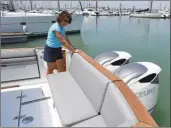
65,6
120,8
151,4
96,5
59,6
71,4
160,6
31,5
12,5
81,5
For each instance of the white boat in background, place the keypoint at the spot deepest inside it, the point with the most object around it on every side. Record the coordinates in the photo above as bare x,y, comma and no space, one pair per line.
12,22
78,12
145,15
85,95
33,11
165,14
125,13
102,13
89,11
47,11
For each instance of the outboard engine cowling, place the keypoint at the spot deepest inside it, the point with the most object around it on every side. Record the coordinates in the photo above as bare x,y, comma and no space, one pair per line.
143,79
113,60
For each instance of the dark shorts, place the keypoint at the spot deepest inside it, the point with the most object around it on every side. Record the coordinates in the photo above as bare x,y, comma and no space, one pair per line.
52,54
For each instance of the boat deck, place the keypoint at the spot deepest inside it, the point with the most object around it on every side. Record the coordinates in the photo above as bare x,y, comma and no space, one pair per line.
23,100
33,34
21,37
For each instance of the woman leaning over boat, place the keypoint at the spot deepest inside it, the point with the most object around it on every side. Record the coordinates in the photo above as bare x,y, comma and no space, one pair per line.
55,39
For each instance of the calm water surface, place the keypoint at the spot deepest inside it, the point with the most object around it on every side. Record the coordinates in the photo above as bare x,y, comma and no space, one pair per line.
144,39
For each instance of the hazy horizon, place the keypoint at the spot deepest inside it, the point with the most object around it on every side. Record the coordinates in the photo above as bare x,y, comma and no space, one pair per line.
111,4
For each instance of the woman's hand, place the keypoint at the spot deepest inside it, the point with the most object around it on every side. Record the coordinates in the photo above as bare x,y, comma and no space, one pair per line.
70,47
77,50
64,42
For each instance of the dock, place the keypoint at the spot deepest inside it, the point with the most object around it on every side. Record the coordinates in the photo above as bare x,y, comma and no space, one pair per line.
19,37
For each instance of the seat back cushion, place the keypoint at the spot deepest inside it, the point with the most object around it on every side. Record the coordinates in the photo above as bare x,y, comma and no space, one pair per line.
17,53
91,81
115,109
96,121
18,60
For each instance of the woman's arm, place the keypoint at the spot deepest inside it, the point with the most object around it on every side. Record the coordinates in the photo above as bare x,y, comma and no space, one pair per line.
64,41
66,37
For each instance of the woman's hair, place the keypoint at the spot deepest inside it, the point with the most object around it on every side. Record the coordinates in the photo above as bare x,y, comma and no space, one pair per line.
63,15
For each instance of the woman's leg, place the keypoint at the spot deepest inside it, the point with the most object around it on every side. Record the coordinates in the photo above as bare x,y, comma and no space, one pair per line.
60,65
51,66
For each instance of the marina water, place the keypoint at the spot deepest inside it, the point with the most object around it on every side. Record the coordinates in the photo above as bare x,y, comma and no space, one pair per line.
145,39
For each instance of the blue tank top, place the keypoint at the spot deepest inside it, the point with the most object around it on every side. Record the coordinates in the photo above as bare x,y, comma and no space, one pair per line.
52,40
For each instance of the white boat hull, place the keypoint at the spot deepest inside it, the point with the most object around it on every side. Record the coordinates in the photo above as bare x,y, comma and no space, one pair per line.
146,15
36,24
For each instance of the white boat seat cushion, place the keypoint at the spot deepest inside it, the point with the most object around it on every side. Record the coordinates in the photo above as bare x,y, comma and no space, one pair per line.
71,103
92,81
97,121
115,109
18,60
17,53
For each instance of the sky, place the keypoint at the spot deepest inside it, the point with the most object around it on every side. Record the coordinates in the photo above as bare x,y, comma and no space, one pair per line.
113,4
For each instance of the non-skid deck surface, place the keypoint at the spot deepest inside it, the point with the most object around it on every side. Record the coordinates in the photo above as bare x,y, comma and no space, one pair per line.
33,106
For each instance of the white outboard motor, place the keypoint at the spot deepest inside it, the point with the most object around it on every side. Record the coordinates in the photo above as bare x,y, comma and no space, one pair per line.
113,60
143,79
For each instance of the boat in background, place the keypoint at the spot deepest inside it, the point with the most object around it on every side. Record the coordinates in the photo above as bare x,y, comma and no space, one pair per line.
165,14
146,15
89,11
34,21
13,22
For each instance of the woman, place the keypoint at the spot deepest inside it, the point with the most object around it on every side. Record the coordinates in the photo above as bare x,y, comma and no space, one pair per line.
55,39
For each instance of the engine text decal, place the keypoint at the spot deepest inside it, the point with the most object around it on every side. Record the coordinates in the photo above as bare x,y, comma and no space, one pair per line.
146,92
